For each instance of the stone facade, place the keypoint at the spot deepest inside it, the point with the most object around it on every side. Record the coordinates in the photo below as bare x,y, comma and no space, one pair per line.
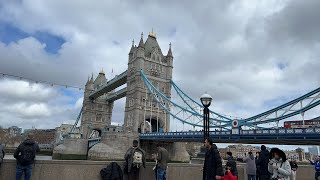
97,113
140,105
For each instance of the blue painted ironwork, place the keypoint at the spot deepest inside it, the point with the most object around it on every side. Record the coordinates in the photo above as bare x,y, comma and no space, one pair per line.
77,121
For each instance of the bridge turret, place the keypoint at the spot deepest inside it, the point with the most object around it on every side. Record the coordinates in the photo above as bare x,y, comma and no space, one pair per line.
101,79
169,59
140,51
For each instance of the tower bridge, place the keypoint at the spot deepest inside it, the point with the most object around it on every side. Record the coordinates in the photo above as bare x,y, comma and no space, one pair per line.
149,111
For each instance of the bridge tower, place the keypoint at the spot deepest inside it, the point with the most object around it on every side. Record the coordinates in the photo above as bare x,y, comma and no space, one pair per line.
142,112
96,113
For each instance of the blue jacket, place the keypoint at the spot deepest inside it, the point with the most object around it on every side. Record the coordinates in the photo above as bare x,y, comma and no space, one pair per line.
316,165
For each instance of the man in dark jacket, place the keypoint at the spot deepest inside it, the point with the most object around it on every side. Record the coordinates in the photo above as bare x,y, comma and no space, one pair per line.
233,164
212,164
131,167
25,154
262,162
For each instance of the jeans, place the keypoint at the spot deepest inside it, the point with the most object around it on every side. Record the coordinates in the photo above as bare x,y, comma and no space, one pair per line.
294,175
161,174
251,177
27,170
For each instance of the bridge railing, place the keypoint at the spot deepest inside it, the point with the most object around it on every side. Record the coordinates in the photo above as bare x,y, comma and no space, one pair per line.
282,131
242,132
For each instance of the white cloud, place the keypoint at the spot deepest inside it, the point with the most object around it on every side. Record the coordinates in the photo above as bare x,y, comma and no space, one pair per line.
230,49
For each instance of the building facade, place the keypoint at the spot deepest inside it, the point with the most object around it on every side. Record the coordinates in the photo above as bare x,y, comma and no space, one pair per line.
141,107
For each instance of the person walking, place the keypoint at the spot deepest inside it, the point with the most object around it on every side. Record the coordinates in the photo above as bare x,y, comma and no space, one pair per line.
316,164
162,158
294,168
279,166
250,166
212,164
25,155
262,162
135,158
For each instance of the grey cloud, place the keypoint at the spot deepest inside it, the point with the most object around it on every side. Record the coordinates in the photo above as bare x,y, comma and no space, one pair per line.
222,47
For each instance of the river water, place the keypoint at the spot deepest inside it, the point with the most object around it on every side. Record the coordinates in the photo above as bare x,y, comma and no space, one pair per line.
38,157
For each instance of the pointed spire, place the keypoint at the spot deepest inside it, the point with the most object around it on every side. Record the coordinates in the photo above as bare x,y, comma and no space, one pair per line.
141,44
169,52
88,80
91,80
131,50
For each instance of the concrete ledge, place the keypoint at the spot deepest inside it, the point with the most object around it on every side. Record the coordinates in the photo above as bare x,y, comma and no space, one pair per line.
84,170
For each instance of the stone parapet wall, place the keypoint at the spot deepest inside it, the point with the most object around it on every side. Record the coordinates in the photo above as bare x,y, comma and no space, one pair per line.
85,170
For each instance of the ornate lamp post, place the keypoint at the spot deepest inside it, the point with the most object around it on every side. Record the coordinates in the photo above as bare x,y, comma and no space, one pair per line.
206,102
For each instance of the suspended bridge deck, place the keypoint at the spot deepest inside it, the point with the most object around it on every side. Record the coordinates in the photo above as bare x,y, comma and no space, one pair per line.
308,136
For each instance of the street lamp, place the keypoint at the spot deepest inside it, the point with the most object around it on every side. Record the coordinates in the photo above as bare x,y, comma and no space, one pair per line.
206,102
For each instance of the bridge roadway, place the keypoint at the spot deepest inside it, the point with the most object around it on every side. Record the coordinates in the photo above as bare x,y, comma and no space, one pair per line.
114,83
309,136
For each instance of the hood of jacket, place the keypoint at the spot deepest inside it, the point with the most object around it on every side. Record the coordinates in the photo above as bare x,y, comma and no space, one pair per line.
29,142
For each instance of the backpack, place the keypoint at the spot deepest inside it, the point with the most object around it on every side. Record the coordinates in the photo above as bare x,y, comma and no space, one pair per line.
28,154
137,159
112,172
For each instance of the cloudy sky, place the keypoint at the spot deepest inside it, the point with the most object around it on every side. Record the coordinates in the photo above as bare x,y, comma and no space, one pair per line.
250,56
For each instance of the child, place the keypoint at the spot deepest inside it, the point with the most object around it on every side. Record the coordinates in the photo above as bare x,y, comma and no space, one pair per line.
228,175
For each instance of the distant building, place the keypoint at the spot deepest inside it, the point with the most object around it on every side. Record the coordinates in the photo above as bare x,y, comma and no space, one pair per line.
292,155
301,154
44,137
309,156
238,151
313,150
14,131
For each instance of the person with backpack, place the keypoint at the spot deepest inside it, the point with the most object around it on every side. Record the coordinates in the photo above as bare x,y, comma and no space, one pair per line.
135,158
25,155
279,166
2,153
162,158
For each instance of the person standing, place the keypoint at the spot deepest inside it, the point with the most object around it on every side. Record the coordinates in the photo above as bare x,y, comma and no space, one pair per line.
2,154
316,167
250,166
25,155
294,168
162,158
279,166
135,158
212,164
257,166
233,163
262,162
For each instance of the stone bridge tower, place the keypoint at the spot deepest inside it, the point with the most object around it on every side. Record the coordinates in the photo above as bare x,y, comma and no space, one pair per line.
97,113
142,112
